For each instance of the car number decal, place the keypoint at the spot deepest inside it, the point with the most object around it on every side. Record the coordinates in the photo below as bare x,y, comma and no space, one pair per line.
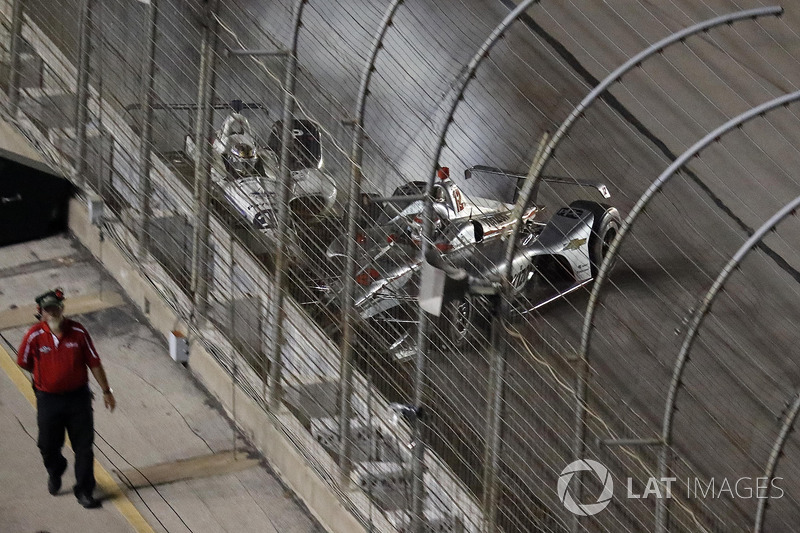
459,200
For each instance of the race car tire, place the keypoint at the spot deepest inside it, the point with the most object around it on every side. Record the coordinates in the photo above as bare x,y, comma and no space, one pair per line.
453,324
463,322
605,227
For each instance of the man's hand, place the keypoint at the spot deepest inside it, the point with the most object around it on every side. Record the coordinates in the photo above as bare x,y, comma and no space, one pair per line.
102,380
109,400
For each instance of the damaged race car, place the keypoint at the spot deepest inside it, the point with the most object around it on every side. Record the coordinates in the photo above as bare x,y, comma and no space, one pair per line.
556,254
248,175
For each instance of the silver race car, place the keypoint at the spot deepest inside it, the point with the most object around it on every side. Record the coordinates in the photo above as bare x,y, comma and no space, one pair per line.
247,174
556,254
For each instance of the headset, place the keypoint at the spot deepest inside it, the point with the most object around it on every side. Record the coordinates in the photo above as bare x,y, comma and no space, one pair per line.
58,293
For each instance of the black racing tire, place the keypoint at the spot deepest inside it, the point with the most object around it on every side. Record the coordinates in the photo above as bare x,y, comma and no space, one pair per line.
463,322
457,316
605,228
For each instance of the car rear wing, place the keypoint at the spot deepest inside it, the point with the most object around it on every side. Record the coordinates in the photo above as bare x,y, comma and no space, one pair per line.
514,184
191,108
234,105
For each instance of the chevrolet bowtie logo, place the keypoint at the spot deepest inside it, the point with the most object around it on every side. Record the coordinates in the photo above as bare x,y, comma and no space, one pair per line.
574,244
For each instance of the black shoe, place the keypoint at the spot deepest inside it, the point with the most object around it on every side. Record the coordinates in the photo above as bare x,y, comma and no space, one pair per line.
88,501
53,484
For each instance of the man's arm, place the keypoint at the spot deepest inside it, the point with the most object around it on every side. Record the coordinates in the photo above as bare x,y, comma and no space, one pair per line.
25,353
108,395
93,362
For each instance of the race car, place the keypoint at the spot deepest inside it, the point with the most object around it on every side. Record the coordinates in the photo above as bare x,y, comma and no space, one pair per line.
248,175
554,256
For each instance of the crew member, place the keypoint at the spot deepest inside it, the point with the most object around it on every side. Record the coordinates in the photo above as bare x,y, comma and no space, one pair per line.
57,351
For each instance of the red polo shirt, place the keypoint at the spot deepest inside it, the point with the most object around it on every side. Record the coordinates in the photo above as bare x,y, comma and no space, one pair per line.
58,364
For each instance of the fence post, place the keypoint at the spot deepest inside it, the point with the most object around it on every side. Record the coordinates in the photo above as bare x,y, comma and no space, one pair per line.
82,94
281,261
494,420
147,97
348,315
202,159
662,504
427,232
14,52
772,463
531,185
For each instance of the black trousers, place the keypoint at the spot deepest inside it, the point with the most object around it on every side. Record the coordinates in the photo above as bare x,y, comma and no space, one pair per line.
71,412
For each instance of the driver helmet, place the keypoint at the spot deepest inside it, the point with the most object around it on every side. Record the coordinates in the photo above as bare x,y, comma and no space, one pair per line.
439,194
243,150
243,159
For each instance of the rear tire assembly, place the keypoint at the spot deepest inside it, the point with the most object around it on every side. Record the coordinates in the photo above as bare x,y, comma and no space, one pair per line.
462,323
457,317
605,227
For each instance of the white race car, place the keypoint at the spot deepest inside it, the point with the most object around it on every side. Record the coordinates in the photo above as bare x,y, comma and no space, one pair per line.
248,175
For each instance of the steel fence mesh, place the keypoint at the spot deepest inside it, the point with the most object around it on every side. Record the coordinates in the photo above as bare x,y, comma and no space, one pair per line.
741,375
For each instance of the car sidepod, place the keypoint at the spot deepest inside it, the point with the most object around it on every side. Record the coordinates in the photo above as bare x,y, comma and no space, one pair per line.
566,236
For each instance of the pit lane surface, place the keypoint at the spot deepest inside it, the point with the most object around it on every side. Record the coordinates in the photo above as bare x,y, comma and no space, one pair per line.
743,372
